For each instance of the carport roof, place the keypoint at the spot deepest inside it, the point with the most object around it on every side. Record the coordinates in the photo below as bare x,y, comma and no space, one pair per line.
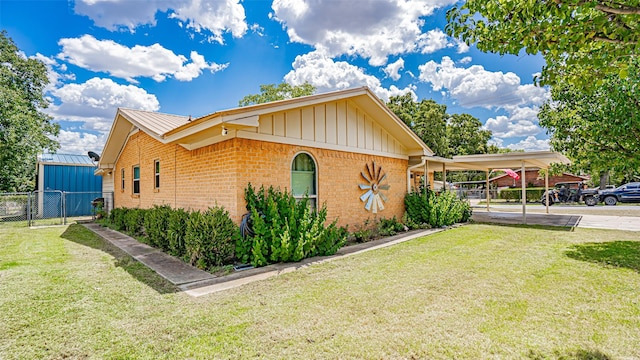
485,162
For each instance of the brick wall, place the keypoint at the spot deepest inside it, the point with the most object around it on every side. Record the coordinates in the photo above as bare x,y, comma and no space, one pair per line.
532,177
219,173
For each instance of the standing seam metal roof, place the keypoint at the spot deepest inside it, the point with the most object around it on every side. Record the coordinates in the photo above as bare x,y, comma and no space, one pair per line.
65,159
158,123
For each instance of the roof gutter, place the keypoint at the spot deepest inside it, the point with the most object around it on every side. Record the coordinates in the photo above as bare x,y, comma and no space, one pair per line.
424,161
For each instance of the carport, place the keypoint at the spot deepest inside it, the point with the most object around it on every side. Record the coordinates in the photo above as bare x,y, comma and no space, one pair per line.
487,163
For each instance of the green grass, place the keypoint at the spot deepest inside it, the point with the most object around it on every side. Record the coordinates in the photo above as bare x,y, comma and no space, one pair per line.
477,291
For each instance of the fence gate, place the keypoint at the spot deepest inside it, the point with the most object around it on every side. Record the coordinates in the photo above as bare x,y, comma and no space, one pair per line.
14,207
46,208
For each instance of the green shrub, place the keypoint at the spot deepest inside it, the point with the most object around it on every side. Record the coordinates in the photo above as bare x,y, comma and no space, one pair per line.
389,227
430,210
515,194
210,238
156,223
117,217
286,229
134,222
176,231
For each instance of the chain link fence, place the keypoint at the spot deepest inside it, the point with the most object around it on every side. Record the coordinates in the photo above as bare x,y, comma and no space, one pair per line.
52,207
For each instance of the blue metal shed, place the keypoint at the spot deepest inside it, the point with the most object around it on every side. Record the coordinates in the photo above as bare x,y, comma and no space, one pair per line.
72,175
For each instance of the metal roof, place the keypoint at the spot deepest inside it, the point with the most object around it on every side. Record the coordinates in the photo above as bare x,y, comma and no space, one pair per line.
65,159
158,123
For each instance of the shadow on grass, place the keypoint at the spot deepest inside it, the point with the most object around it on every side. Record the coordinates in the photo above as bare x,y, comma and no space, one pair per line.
528,226
577,355
624,254
81,235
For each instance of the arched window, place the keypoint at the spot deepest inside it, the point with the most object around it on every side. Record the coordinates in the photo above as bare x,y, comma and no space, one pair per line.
303,178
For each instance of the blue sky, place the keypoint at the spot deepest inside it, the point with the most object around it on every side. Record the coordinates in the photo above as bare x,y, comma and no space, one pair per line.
194,57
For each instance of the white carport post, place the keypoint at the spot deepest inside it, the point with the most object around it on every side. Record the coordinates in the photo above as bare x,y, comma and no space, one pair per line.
426,175
486,190
524,194
444,177
546,188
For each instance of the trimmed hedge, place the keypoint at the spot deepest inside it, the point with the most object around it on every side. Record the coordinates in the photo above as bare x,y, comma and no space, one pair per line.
515,194
204,239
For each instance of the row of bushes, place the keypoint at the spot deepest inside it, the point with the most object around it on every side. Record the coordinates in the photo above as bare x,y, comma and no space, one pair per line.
204,239
533,194
277,227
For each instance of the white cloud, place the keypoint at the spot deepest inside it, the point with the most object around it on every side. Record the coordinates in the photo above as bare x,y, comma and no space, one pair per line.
432,41
392,70
530,144
475,86
95,102
73,142
372,29
465,60
128,63
327,75
214,16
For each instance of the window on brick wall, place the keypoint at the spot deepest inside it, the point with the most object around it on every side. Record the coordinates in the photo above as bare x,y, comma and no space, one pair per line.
136,179
304,178
122,179
156,166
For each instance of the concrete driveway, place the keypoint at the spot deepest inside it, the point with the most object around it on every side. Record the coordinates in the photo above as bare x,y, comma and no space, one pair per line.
598,217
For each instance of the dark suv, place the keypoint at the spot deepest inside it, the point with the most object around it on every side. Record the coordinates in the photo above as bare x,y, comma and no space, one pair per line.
626,193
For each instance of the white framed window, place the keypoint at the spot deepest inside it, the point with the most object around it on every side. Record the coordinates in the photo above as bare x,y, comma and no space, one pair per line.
136,180
156,178
122,179
304,177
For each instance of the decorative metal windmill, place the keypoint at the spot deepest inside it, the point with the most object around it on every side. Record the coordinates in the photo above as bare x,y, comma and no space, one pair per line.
373,198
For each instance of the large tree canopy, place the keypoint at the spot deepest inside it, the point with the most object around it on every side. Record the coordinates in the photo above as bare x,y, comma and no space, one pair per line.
579,39
273,92
466,136
24,129
446,135
426,118
600,129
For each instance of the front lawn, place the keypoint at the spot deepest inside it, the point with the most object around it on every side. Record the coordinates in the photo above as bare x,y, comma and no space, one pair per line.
478,291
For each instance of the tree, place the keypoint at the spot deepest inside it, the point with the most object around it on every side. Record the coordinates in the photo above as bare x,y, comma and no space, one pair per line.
579,39
24,129
598,130
466,136
273,92
426,118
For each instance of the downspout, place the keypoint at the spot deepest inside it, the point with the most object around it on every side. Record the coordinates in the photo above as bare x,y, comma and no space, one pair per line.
424,161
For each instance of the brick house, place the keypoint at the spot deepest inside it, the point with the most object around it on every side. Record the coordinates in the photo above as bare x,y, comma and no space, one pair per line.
345,148
534,179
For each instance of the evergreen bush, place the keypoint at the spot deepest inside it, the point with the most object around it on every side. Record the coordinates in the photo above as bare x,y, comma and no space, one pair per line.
156,223
286,229
210,238
427,209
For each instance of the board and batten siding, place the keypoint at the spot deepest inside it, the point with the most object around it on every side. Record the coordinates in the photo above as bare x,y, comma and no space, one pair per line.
338,124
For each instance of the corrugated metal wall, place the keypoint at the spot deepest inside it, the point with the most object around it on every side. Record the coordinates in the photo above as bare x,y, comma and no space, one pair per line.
71,178
79,181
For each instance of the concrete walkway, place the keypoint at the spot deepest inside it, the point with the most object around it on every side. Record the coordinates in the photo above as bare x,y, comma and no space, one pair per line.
196,282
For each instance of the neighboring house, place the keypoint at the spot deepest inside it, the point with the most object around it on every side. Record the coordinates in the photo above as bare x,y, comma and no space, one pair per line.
72,174
346,149
534,178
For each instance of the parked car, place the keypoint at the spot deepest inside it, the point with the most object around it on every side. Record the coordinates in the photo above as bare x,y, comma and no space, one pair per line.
571,192
627,193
